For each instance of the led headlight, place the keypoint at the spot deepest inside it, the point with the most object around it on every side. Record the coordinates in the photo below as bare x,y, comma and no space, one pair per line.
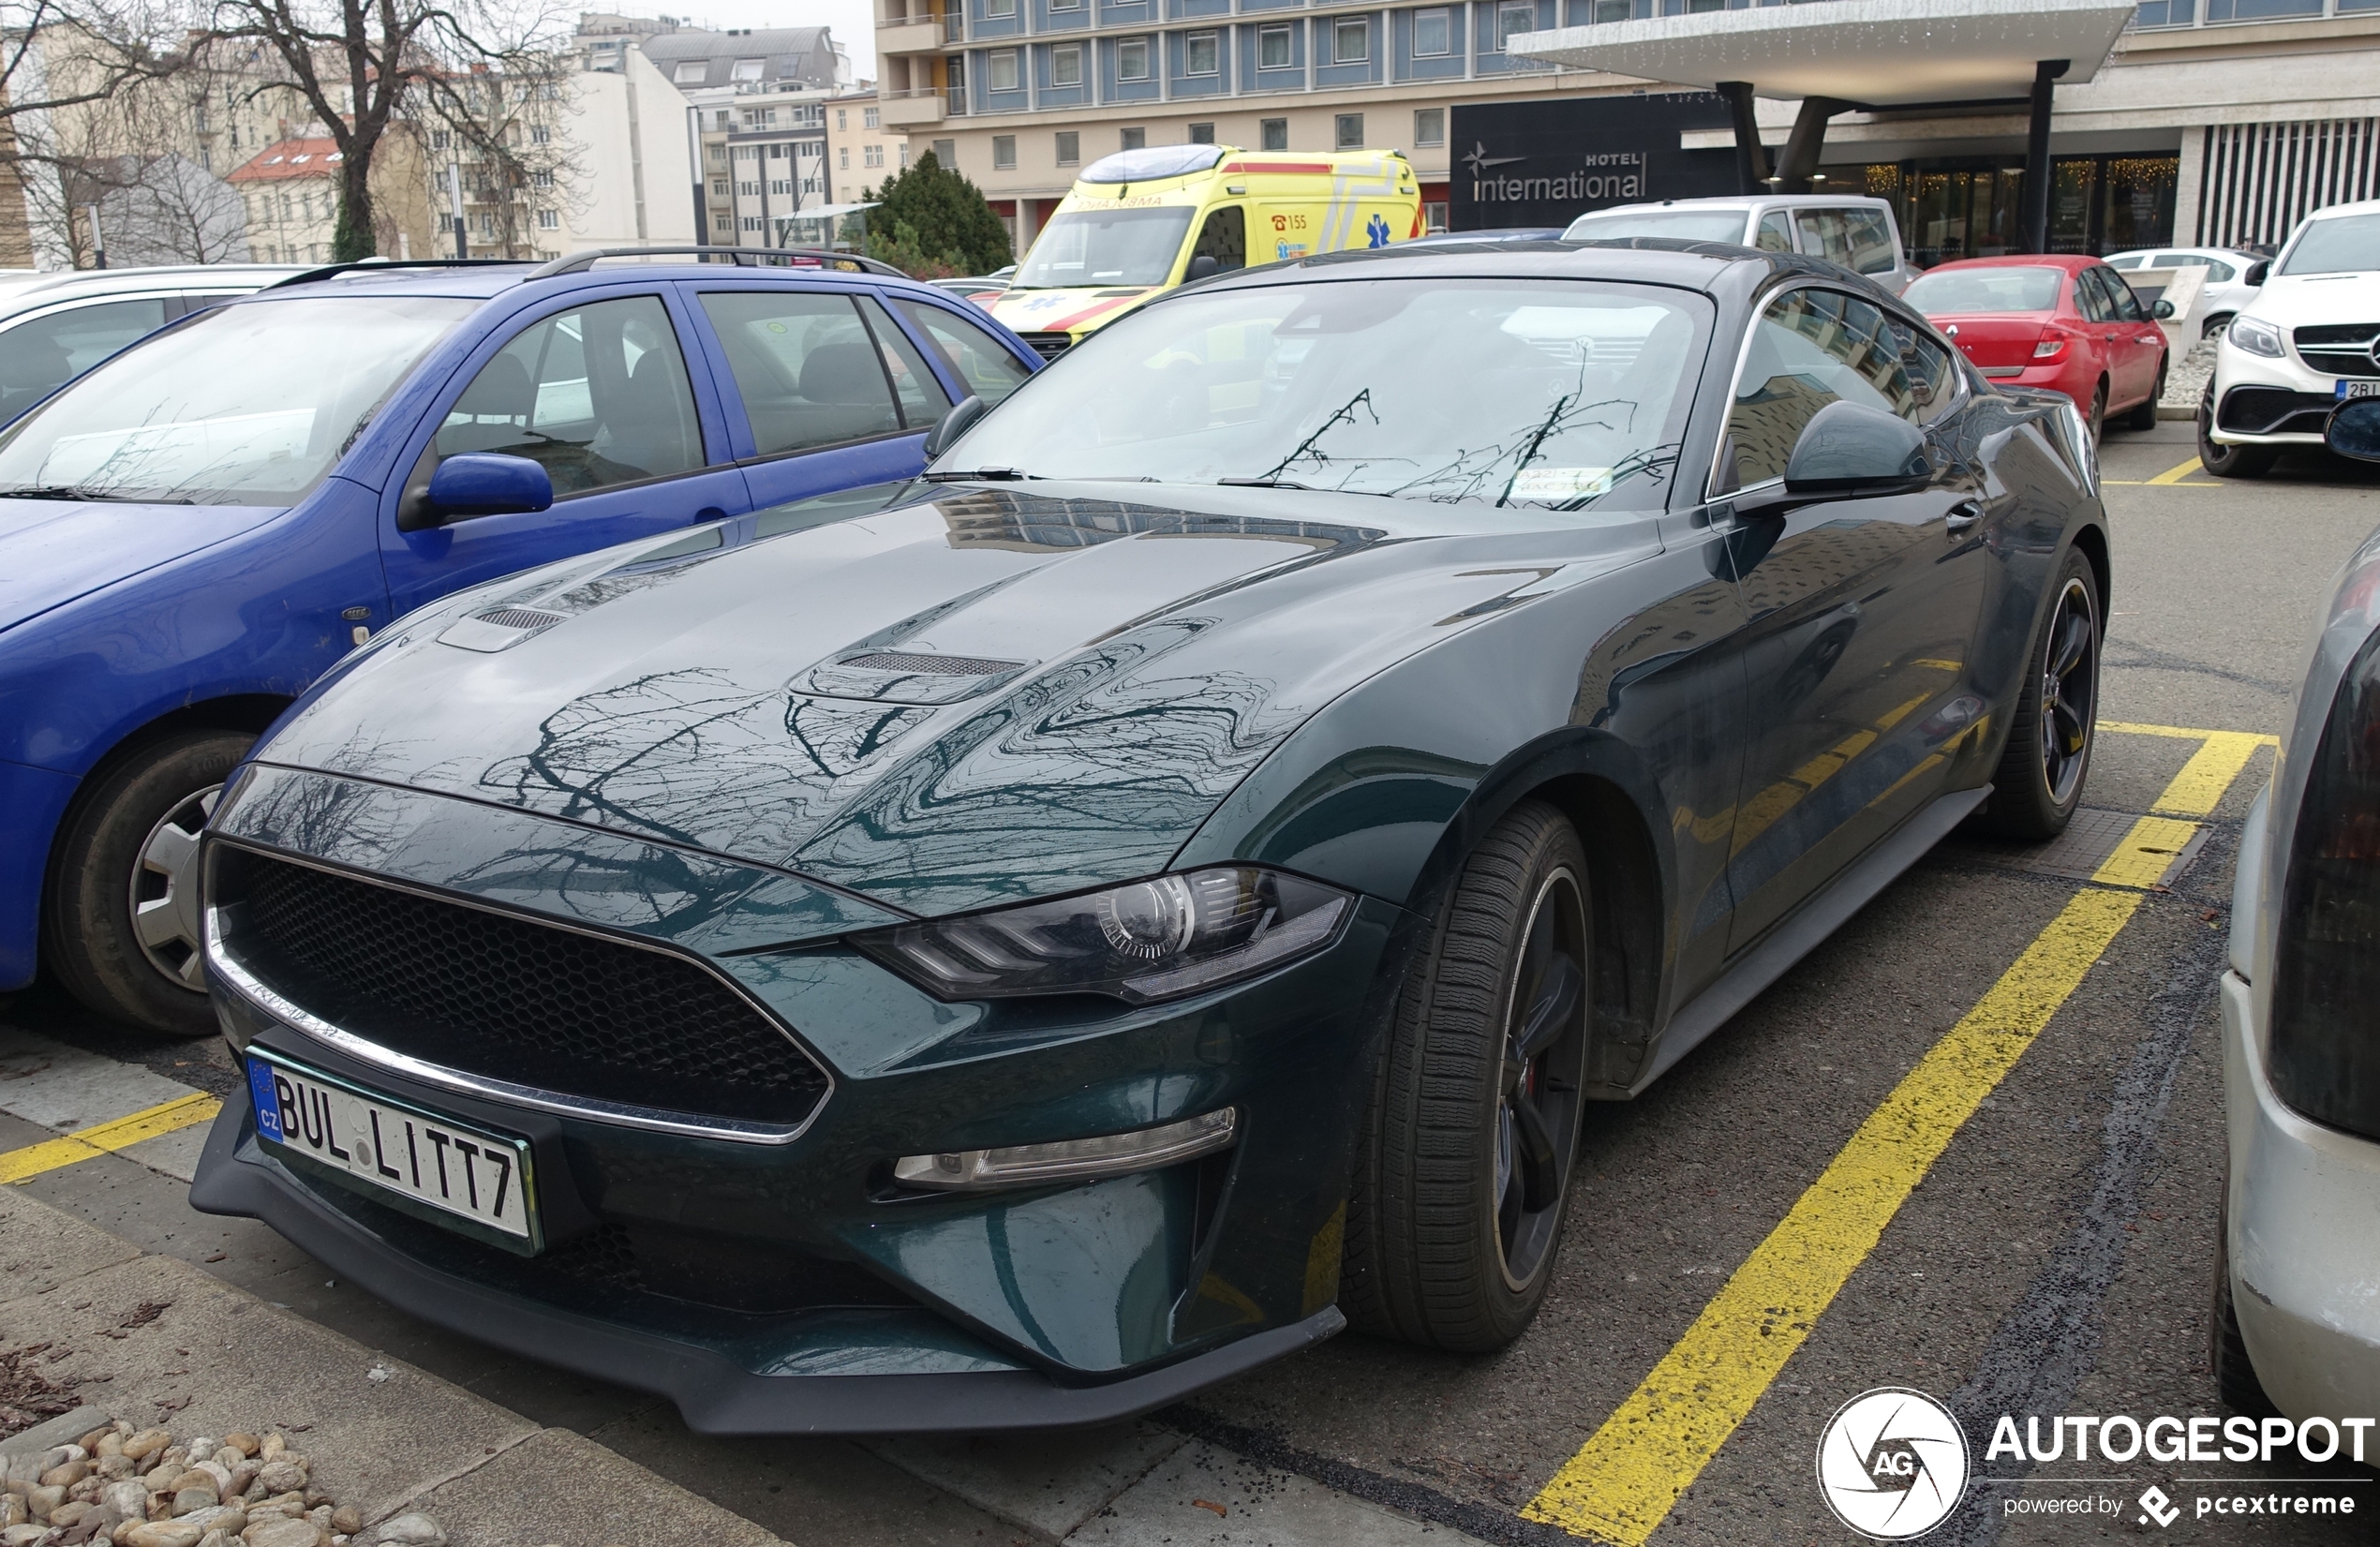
1157,939
2257,338
1073,1159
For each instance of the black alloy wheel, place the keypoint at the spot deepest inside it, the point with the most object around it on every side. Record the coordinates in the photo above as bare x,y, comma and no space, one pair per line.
2048,759
2228,461
121,931
2145,416
1454,1218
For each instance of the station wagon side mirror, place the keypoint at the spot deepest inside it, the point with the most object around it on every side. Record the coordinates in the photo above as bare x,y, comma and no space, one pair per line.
2353,429
2163,311
2257,271
1205,266
486,483
950,427
1850,451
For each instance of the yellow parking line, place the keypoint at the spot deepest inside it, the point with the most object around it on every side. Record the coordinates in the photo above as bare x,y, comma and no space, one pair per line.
108,1138
2176,474
1624,1481
2180,732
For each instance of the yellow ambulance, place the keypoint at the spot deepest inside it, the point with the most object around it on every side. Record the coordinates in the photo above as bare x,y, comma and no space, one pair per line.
1145,220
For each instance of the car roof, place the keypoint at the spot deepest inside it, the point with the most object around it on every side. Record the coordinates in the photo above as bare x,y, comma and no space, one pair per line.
2073,263
1642,260
1749,202
481,281
2361,207
21,290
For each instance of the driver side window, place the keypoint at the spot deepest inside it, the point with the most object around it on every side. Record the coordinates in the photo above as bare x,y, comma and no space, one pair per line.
597,396
1811,347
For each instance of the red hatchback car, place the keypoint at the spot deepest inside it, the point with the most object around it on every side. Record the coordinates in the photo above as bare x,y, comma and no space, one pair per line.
2070,323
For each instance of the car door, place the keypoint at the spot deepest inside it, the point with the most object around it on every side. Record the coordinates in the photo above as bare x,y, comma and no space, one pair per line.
829,393
2140,343
597,390
1860,611
2101,325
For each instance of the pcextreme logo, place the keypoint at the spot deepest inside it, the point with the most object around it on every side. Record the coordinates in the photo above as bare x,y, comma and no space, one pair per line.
1892,1463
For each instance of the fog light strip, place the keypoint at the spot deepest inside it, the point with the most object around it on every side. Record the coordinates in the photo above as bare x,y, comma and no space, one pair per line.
1071,1160
1623,1482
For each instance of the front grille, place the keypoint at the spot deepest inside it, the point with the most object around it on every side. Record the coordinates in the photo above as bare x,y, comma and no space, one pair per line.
1049,346
2338,349
511,999
937,665
2274,410
520,618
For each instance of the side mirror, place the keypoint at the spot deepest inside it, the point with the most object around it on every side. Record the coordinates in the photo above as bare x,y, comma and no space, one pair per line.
1848,450
2163,311
1205,266
2257,271
2353,429
950,427
486,483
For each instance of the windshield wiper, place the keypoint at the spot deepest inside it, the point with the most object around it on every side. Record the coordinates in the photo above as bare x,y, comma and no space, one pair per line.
1264,484
68,491
979,475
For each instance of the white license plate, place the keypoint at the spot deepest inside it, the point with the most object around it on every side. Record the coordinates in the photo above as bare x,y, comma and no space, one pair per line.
2358,388
397,1149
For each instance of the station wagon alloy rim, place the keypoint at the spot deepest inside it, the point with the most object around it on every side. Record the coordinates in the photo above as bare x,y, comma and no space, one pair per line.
165,891
1536,1115
2069,690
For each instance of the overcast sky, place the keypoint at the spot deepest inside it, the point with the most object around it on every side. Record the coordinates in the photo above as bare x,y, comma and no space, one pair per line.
853,21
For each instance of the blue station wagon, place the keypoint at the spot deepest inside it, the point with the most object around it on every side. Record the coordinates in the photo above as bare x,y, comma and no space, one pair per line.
192,534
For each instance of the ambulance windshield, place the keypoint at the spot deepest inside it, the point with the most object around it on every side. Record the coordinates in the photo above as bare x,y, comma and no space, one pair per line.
1106,247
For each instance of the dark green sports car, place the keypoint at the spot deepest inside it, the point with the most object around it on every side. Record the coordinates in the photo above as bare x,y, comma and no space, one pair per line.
1012,947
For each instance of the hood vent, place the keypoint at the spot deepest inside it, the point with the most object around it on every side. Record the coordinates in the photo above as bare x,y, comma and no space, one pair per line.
938,666
498,628
520,618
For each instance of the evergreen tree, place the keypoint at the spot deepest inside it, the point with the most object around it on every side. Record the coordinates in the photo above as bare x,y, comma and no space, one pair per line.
930,221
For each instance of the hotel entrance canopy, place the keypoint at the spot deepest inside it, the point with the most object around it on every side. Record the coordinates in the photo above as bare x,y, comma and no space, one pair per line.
1845,55
1864,54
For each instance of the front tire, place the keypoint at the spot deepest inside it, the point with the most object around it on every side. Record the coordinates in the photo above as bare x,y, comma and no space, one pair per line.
123,925
2048,759
1464,1169
2228,461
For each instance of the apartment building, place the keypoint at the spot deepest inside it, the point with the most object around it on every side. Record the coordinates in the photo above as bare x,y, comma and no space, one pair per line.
861,152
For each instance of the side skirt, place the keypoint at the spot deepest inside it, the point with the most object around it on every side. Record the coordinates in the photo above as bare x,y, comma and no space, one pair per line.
1801,932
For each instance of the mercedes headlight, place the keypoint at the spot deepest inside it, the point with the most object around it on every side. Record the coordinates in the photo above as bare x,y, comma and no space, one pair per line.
1157,939
2257,338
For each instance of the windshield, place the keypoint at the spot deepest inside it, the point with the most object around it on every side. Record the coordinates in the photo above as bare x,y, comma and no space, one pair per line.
2347,243
1105,247
1678,225
248,405
1551,393
1942,292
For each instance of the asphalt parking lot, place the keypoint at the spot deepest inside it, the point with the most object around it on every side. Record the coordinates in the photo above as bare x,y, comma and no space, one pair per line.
1720,1295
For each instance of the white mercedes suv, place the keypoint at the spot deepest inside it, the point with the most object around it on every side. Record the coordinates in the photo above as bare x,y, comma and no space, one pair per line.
2308,341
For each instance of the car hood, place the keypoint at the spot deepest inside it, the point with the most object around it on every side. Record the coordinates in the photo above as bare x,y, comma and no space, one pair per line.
1065,311
2289,299
55,550
977,696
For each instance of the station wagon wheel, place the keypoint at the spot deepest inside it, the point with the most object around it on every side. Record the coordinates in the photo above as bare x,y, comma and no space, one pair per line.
1454,1217
2043,768
121,924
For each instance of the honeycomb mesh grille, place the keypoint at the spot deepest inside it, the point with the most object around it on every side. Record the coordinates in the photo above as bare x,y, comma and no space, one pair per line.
520,618
514,1000
1049,346
938,665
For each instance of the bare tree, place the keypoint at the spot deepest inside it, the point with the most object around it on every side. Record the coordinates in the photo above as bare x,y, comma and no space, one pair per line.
360,65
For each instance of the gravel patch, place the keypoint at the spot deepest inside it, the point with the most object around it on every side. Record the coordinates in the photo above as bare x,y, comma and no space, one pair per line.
2186,377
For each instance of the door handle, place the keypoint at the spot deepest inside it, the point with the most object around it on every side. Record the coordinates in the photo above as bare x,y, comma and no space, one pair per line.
1962,515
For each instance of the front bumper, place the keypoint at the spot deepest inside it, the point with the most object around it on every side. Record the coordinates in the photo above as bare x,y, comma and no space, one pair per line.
2303,1237
718,1393
2265,402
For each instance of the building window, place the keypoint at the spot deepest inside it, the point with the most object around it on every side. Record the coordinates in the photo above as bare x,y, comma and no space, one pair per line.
1511,17
904,155
719,156
749,189
1069,148
1272,48
541,179
869,118
781,185
1065,65
1272,134
690,72
1351,40
1132,59
1433,33
440,139
874,156
749,70
842,158
719,187
842,120
1202,134
1429,126
540,134
1003,70
1004,153
1065,5
1134,140
1201,55
549,221
1000,8
754,223
1433,216
1346,131
947,153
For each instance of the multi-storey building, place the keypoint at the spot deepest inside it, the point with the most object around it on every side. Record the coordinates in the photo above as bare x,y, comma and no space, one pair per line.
861,152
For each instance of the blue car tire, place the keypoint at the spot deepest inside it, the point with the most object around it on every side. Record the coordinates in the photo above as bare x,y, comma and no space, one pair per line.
121,924
1462,1169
